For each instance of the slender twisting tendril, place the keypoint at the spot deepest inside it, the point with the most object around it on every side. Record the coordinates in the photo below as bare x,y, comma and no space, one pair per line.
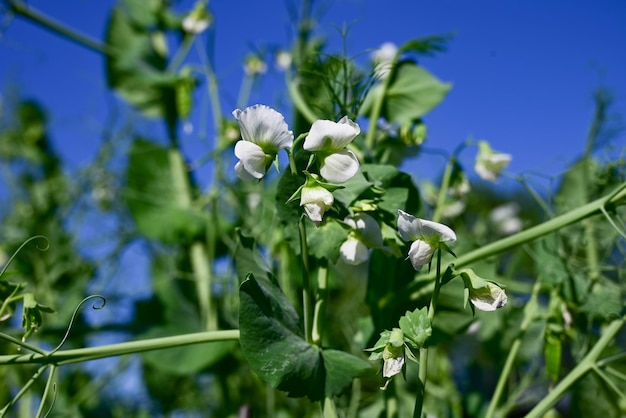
80,305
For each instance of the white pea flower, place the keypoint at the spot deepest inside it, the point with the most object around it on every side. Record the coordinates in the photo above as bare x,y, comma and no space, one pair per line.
484,295
426,236
254,65
328,140
283,60
365,234
198,20
353,251
506,218
383,59
264,132
489,164
316,201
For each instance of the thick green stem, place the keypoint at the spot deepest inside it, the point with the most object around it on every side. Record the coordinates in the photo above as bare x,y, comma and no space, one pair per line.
423,364
306,282
531,234
530,313
111,350
587,364
320,304
198,255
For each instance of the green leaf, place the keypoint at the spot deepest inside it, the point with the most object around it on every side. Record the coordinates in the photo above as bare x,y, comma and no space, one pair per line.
135,68
324,242
158,204
411,94
416,326
552,353
272,342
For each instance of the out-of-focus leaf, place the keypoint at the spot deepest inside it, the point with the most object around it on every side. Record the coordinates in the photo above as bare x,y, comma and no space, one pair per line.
135,67
552,353
412,93
591,397
158,205
273,344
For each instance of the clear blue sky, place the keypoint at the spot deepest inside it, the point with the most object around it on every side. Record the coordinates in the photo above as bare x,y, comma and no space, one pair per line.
523,71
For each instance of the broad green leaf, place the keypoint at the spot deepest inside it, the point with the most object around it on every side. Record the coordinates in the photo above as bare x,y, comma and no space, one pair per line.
272,342
157,202
412,93
324,242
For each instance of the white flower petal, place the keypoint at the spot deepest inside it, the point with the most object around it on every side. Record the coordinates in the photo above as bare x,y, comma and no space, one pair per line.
265,127
243,174
430,228
411,228
340,166
253,160
354,252
316,201
488,298
420,253
392,366
326,135
407,226
366,228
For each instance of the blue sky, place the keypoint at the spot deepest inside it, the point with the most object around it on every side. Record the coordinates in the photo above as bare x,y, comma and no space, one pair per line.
524,72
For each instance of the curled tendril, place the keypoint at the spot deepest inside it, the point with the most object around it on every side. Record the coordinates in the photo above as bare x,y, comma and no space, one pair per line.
94,306
6,265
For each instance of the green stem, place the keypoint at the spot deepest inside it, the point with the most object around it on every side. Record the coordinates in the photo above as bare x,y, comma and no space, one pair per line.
299,102
443,189
244,91
370,138
318,315
46,393
181,54
306,282
531,234
423,364
530,313
200,261
111,350
587,364
23,390
45,22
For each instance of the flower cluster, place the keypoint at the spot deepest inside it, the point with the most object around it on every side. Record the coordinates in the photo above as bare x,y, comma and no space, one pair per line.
264,132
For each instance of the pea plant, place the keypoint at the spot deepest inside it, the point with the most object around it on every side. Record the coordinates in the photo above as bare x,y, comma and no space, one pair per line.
295,266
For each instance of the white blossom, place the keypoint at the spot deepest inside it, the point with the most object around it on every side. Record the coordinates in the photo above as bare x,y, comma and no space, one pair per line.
328,140
365,234
198,20
489,297
316,201
264,132
483,294
489,164
383,58
426,236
